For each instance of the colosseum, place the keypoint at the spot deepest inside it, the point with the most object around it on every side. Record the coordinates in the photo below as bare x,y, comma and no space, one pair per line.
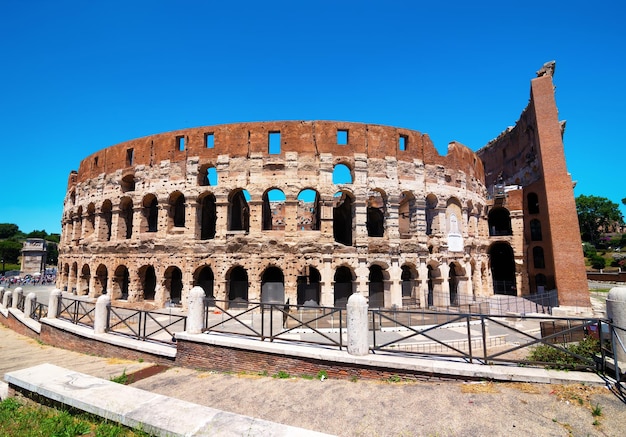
312,211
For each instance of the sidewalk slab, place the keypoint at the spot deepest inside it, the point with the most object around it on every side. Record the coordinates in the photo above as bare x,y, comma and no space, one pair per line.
156,414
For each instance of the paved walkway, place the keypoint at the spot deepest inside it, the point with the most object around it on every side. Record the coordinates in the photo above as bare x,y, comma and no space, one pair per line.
361,408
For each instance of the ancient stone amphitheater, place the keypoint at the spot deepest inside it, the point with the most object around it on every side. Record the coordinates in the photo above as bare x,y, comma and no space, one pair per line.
312,211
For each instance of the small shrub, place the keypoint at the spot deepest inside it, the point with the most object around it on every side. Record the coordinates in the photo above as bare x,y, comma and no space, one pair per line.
596,411
394,378
322,375
597,262
281,374
121,379
559,359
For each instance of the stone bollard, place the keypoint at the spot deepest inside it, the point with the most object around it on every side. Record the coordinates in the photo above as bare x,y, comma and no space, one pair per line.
195,314
1,293
357,324
101,317
29,303
616,312
6,299
54,303
17,294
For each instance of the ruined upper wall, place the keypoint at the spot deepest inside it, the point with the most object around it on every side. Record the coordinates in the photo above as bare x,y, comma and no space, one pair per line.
303,137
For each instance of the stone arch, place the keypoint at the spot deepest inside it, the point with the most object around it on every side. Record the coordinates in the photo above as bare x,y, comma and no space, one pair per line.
273,285
237,282
128,183
101,280
121,282
173,281
499,222
532,200
433,282
238,211
125,222
502,268
207,216
309,287
90,221
177,210
107,220
342,174
150,213
147,277
343,218
85,277
207,175
408,278
204,278
308,211
376,286
454,275
273,210
407,214
376,213
343,285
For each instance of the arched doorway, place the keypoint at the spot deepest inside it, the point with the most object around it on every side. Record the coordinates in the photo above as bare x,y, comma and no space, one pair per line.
208,217
148,280
273,286
502,268
408,277
238,288
85,276
343,286
309,287
102,277
453,284
122,279
342,219
205,280
174,284
376,287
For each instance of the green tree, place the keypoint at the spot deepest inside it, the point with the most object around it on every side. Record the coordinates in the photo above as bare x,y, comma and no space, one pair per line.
595,215
8,230
10,251
38,234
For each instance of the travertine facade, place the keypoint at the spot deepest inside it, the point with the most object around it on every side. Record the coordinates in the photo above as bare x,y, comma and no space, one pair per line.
262,211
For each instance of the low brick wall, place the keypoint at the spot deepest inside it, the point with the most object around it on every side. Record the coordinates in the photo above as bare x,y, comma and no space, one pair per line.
68,340
228,359
606,277
16,325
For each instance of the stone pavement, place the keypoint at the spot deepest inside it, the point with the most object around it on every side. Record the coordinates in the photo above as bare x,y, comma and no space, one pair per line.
359,408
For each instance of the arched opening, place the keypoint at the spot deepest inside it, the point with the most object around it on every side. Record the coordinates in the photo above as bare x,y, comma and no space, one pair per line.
238,211
539,260
207,176
148,282
499,222
90,222
431,286
343,286
73,278
177,210
208,217
126,218
205,279
407,278
376,287
78,224
238,288
85,277
343,212
174,284
375,215
121,283
273,286
65,275
431,214
342,174
308,212
535,230
406,215
128,183
150,214
101,279
453,283
533,203
309,288
273,210
107,220
502,268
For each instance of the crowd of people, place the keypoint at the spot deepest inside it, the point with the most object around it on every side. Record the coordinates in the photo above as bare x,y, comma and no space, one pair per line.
46,279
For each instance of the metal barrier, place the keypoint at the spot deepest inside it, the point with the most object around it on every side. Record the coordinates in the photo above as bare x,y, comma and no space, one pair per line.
38,311
77,312
145,325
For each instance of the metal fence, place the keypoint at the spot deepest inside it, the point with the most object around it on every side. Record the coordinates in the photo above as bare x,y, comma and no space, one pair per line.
156,326
76,311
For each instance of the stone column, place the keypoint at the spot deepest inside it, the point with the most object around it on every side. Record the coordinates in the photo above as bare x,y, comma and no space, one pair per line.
6,297
53,303
195,315
357,325
616,311
327,297
29,304
101,315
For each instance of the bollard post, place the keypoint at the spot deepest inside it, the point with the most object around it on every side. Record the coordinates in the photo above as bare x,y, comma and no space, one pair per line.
6,298
616,312
195,314
357,325
101,316
17,294
29,303
54,303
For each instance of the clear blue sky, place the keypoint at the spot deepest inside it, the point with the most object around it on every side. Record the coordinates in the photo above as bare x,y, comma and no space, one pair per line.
78,76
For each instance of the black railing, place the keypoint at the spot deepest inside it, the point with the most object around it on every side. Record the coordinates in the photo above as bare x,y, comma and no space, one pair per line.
77,311
38,311
142,325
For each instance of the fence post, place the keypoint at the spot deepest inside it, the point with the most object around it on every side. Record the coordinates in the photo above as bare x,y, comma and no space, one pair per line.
6,297
53,303
17,294
29,304
357,325
616,312
195,313
101,315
